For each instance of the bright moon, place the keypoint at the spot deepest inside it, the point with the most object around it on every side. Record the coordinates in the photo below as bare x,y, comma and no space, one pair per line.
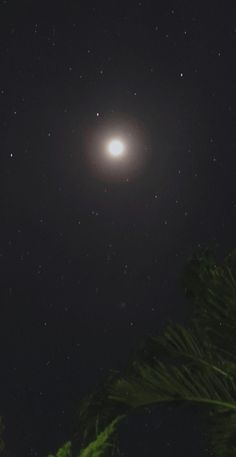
116,148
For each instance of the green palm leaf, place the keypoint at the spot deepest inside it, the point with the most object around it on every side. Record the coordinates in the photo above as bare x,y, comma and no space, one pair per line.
98,447
223,433
164,383
185,345
213,290
96,410
196,365
95,448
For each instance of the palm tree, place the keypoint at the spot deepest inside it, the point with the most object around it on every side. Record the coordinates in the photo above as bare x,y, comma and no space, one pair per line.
194,364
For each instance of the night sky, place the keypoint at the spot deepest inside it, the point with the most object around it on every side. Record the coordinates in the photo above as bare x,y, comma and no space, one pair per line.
92,246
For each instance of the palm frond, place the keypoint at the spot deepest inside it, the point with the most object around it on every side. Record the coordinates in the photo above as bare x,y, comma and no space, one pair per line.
99,446
213,289
195,364
166,383
96,410
192,346
223,432
63,451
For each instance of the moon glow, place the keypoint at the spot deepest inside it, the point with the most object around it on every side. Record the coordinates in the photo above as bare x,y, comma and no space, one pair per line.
116,148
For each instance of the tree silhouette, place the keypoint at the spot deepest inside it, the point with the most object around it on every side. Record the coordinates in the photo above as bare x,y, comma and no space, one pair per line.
194,364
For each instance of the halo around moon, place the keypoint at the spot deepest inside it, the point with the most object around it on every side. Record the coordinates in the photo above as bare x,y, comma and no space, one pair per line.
116,149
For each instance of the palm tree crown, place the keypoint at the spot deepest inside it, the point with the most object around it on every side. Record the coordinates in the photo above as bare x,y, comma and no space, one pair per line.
195,364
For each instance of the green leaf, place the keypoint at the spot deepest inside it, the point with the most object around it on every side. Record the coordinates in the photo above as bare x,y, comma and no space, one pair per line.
165,383
195,364
213,289
223,432
98,447
64,451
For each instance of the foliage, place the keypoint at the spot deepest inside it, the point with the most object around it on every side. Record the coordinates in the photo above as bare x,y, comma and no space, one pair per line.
195,364
96,411
223,432
64,451
213,290
96,448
